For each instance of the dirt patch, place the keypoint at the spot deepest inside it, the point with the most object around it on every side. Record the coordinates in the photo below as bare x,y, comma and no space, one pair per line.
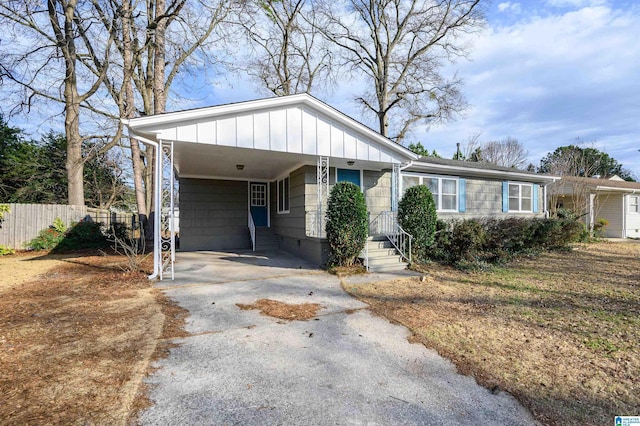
76,338
273,308
560,332
347,271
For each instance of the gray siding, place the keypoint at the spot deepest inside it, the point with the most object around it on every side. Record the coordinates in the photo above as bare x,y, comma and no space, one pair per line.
377,191
291,224
213,215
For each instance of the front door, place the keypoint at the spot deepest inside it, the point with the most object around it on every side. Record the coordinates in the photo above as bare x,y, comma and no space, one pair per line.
348,175
258,203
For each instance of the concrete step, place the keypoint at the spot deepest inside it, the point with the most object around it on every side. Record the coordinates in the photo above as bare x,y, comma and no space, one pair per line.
388,268
376,244
381,252
386,260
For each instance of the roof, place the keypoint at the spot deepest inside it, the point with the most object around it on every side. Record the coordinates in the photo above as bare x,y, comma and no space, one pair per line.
598,184
151,126
476,169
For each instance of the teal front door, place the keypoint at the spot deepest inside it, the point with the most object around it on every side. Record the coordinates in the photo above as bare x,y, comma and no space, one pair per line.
258,200
348,175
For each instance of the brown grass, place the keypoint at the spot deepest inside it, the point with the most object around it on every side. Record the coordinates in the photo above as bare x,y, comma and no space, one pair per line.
560,332
273,308
76,340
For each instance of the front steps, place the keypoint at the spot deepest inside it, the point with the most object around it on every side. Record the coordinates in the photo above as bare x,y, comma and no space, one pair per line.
266,240
383,257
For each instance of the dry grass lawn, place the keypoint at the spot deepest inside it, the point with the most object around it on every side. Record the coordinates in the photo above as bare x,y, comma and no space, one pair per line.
76,338
277,309
561,332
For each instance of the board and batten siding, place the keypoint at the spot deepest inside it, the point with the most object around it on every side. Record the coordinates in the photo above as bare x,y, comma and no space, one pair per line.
297,130
633,220
213,215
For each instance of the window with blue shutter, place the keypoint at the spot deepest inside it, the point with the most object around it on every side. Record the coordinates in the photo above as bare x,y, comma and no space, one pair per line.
535,198
462,196
505,196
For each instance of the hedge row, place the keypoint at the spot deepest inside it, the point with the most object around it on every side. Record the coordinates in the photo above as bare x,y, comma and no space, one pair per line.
475,243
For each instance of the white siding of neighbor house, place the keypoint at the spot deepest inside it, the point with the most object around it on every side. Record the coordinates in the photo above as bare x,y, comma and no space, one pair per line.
633,221
610,206
290,129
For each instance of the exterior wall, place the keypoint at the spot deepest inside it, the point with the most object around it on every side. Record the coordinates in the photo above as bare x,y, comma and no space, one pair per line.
484,199
377,191
610,206
213,215
632,228
291,224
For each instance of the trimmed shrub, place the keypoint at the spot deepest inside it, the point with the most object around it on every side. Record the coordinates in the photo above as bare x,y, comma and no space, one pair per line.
347,223
474,243
417,216
468,238
83,235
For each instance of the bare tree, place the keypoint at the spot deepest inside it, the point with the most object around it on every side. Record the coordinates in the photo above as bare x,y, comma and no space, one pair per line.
289,55
508,152
44,62
401,47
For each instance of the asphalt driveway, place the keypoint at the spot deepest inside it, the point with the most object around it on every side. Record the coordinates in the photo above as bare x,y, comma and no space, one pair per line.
344,367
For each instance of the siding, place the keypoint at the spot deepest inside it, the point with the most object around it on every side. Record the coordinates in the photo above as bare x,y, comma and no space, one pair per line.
609,206
484,199
291,224
213,215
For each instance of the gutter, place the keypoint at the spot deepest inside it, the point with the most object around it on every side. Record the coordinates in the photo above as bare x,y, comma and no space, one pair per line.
156,198
468,171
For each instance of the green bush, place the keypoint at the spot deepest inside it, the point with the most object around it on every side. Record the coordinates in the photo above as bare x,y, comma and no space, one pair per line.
59,238
468,238
4,250
82,235
47,239
347,223
417,216
474,243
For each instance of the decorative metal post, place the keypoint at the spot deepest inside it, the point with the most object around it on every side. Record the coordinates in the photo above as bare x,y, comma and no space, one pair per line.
322,177
167,222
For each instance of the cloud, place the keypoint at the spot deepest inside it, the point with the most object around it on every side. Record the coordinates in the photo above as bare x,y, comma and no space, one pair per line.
509,7
551,78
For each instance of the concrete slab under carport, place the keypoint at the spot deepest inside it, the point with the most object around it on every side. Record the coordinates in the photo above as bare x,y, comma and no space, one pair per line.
346,366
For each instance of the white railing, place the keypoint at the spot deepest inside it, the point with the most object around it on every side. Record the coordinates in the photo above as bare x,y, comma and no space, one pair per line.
252,231
386,224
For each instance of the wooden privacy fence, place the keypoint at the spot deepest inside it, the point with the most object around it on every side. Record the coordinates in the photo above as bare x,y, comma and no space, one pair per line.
25,221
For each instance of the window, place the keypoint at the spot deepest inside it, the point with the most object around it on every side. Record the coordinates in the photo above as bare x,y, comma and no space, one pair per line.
283,195
520,197
634,204
444,190
258,195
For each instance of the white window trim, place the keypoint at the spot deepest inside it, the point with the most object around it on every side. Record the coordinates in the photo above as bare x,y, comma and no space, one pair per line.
520,185
288,177
637,204
439,200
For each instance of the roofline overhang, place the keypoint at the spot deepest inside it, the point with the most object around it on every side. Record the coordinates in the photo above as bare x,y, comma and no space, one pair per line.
140,124
614,189
468,171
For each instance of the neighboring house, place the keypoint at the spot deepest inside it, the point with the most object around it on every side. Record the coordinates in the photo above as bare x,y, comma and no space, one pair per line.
612,199
257,174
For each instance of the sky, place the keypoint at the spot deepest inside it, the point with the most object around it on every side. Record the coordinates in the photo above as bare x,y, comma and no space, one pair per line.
545,72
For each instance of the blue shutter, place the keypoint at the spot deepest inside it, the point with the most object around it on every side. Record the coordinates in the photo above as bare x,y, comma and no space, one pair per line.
535,198
462,196
505,197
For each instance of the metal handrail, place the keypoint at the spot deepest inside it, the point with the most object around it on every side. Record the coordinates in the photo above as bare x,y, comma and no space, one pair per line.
386,224
252,231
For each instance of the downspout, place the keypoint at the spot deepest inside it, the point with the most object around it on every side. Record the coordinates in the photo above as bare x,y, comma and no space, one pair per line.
156,196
